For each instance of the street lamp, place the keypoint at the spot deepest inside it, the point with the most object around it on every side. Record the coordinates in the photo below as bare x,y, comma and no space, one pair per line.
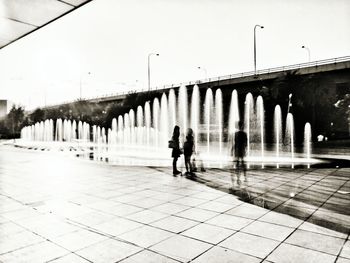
81,84
255,46
149,70
308,52
205,71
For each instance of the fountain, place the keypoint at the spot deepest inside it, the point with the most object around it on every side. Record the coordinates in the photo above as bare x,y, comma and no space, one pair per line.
261,124
208,109
164,118
249,120
146,129
195,112
307,142
219,118
183,109
148,122
278,131
156,109
234,114
289,136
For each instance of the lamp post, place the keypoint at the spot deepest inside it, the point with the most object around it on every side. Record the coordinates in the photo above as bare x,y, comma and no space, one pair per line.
205,71
81,84
308,51
149,70
255,46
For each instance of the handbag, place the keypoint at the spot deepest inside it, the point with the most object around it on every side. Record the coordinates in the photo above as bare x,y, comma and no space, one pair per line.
171,144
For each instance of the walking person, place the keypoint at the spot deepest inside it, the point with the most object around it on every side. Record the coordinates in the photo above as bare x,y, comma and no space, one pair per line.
176,152
188,150
240,151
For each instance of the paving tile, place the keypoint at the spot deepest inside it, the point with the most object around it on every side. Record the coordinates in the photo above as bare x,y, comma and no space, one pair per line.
208,196
216,206
189,201
3,220
83,199
40,252
308,226
50,231
189,192
280,219
336,221
181,248
148,257
268,230
146,202
126,198
109,250
146,193
170,208
346,250
9,228
250,244
343,260
327,244
103,205
286,253
18,240
124,209
197,214
145,236
174,224
228,221
70,258
147,216
223,255
93,218
78,239
168,197
20,214
208,233
117,226
230,200
248,211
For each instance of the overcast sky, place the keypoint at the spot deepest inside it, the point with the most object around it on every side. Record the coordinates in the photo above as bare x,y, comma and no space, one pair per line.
111,39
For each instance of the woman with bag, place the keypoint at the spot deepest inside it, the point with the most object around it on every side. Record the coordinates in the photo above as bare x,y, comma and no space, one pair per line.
176,149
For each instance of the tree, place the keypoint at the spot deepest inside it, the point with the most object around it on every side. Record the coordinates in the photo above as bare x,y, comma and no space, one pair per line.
38,115
343,114
14,120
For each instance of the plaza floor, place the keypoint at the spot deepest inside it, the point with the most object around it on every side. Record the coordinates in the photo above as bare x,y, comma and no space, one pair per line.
55,207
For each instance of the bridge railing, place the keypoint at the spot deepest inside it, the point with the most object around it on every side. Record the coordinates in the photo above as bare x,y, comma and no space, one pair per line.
226,77
266,71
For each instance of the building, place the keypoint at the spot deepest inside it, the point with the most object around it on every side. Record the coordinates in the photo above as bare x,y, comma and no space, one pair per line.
3,108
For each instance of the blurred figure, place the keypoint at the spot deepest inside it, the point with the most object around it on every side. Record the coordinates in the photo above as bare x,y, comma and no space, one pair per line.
176,152
240,150
188,150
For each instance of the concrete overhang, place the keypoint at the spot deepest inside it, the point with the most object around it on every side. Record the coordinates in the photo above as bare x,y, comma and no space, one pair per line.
19,18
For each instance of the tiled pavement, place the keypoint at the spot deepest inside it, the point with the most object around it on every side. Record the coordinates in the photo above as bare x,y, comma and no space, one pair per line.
55,208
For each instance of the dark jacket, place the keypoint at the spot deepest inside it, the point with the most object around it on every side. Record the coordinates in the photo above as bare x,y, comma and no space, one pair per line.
188,146
176,152
240,144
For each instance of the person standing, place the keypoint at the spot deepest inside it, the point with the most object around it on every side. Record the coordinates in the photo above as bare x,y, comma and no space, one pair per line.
240,150
176,152
188,150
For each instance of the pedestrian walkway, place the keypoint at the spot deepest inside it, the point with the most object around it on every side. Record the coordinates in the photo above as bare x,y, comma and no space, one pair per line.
320,196
56,208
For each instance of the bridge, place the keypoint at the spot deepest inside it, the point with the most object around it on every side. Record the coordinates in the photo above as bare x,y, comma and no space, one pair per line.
337,68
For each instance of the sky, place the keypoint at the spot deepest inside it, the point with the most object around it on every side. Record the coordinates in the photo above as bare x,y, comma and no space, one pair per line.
103,46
